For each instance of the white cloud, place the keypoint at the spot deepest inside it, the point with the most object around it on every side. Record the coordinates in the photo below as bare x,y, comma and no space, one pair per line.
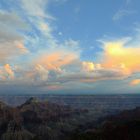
11,41
12,20
122,13
36,8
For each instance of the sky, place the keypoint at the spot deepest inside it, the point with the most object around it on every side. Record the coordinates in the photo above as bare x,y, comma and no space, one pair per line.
69,46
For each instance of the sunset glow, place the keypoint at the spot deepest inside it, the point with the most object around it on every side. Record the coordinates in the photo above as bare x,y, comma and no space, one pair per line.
44,47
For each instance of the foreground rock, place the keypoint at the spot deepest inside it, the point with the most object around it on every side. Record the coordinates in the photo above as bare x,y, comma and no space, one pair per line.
124,126
35,120
16,132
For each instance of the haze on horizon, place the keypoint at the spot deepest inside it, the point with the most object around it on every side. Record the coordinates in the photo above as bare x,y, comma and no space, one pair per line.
68,46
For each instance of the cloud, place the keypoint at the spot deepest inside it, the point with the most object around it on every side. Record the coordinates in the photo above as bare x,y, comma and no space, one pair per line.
46,31
41,73
9,49
37,14
90,77
9,71
53,64
11,41
54,87
121,55
6,73
120,59
122,13
13,20
88,66
56,59
135,82
36,8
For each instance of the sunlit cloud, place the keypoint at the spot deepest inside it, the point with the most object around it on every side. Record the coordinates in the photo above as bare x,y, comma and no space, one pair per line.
57,59
6,73
54,87
9,71
33,56
88,66
135,82
120,56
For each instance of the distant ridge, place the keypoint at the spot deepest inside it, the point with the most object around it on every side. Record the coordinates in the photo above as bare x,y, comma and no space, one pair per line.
32,100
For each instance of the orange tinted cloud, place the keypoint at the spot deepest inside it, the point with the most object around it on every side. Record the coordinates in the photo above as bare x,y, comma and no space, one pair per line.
54,87
21,46
88,66
6,73
135,82
9,71
117,55
11,49
57,59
